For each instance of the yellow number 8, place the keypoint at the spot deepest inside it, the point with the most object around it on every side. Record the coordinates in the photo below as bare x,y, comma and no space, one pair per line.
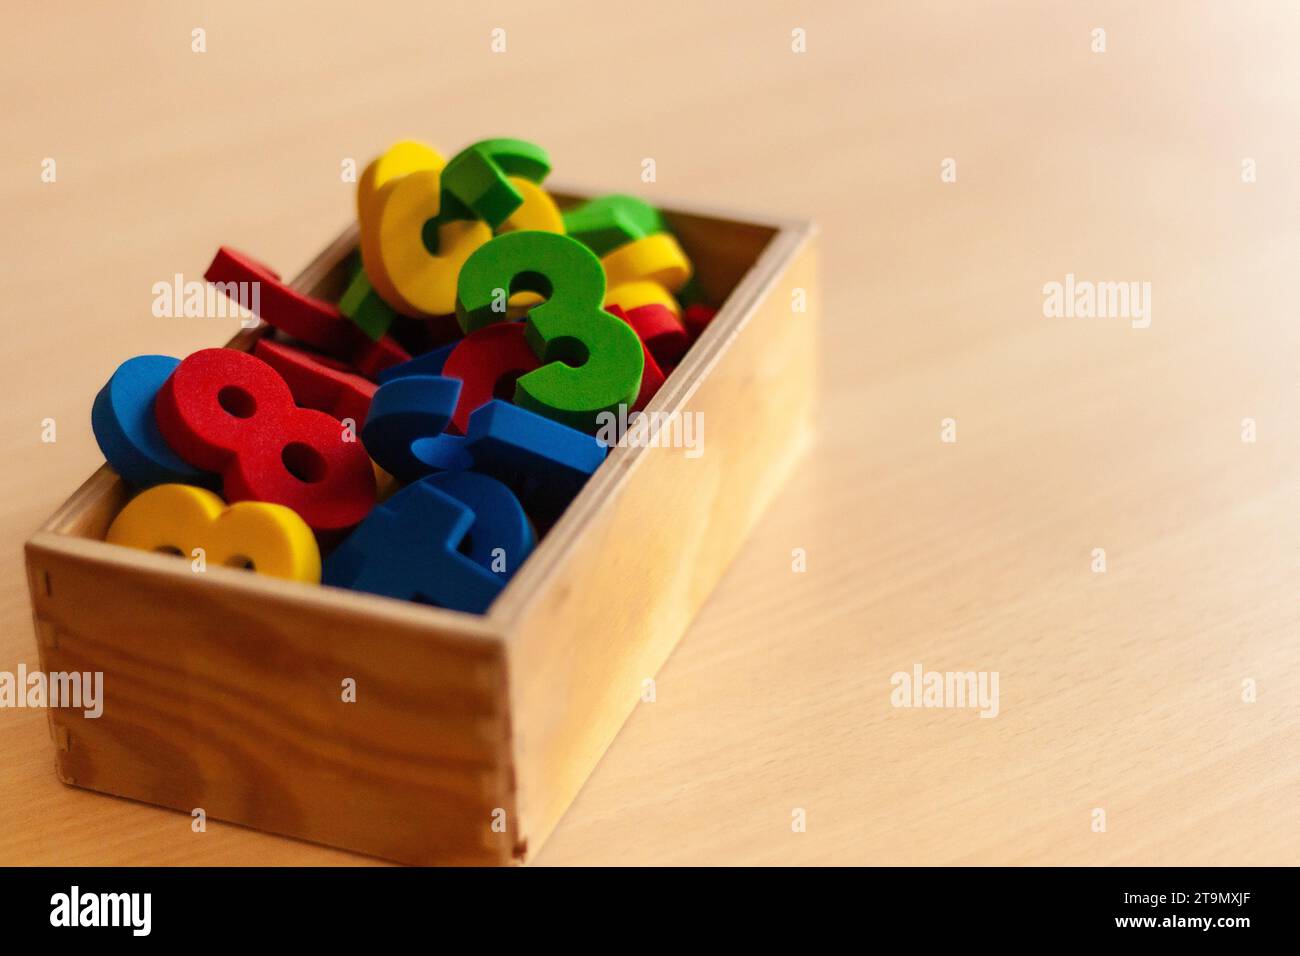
270,538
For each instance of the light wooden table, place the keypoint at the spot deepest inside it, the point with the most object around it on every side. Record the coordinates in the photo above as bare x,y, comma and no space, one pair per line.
1120,690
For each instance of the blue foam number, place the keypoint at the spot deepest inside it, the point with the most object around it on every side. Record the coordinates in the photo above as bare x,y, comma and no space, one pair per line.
430,363
445,452
544,462
123,422
501,536
407,548
403,410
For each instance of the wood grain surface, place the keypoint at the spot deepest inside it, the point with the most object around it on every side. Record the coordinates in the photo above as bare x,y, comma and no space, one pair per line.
1120,691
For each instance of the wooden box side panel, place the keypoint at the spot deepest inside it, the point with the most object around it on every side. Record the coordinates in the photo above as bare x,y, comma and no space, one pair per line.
228,695
657,530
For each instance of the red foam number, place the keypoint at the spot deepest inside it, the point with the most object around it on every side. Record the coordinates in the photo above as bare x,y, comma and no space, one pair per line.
317,323
653,376
370,358
319,382
660,330
696,318
487,362
651,379
229,412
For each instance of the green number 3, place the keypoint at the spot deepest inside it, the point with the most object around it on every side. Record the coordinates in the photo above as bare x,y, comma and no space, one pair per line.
593,360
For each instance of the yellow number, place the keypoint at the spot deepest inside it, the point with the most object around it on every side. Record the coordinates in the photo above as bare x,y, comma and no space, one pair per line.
270,538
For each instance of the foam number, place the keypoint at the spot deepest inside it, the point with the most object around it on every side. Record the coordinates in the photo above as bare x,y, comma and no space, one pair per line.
606,223
268,538
430,363
371,358
641,293
124,425
538,211
662,332
420,225
543,462
446,451
229,412
488,362
592,361
315,322
477,184
400,159
408,548
366,307
652,379
696,318
405,409
412,257
501,536
658,258
362,302
317,381
646,271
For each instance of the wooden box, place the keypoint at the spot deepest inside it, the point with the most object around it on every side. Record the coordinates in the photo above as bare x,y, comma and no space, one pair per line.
470,735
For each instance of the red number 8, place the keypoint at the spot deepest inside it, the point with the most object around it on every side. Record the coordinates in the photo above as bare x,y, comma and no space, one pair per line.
227,411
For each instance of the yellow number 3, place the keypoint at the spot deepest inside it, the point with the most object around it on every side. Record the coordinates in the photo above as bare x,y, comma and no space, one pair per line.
269,538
